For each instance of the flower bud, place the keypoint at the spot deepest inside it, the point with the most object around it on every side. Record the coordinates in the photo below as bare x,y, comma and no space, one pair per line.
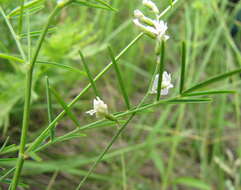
149,4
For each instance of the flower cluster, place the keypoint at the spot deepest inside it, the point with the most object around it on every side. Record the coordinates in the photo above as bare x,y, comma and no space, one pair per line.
155,28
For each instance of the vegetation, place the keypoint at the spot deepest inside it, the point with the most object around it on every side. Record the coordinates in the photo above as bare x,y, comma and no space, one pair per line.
178,131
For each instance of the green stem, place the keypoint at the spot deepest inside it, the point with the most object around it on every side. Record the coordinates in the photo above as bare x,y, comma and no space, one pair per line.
44,134
26,112
121,129
20,21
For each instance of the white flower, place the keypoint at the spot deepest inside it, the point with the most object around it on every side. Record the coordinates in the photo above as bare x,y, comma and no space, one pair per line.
100,108
154,28
161,28
145,28
138,14
165,86
151,5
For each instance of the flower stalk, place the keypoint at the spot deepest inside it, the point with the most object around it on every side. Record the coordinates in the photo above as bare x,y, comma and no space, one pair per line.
27,101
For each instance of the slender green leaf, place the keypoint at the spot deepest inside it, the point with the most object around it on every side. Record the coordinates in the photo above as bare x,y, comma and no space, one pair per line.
62,66
65,107
11,58
49,107
106,4
90,4
202,93
30,4
183,67
6,174
4,144
92,82
37,33
9,181
119,77
20,20
161,70
193,183
212,80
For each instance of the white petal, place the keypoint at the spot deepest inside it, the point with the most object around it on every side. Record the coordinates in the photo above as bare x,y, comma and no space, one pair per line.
91,112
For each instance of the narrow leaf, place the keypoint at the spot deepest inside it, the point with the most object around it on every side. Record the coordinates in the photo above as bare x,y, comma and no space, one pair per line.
161,70
89,4
6,174
190,100
49,107
20,20
62,66
11,58
92,82
183,67
4,144
37,33
65,107
30,4
202,93
193,183
106,4
119,77
212,80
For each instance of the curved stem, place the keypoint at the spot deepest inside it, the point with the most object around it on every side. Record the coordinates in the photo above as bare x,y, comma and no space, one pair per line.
26,112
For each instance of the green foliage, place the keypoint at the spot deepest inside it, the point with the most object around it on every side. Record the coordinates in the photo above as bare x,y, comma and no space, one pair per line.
169,142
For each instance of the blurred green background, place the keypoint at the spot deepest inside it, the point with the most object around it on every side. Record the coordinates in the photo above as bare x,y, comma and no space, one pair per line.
177,147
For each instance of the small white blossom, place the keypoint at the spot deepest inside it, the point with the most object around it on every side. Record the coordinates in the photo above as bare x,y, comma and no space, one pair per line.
158,29
100,108
161,28
138,14
165,86
151,5
147,29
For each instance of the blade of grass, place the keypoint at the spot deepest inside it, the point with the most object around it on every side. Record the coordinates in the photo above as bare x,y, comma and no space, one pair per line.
119,77
202,93
20,20
212,80
62,66
4,144
161,69
49,107
106,4
27,5
65,107
10,57
90,4
183,67
92,82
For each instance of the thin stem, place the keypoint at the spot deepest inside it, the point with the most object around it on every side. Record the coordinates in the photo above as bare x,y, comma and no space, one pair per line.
15,37
26,112
183,67
44,134
161,69
20,21
49,107
116,135
121,129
